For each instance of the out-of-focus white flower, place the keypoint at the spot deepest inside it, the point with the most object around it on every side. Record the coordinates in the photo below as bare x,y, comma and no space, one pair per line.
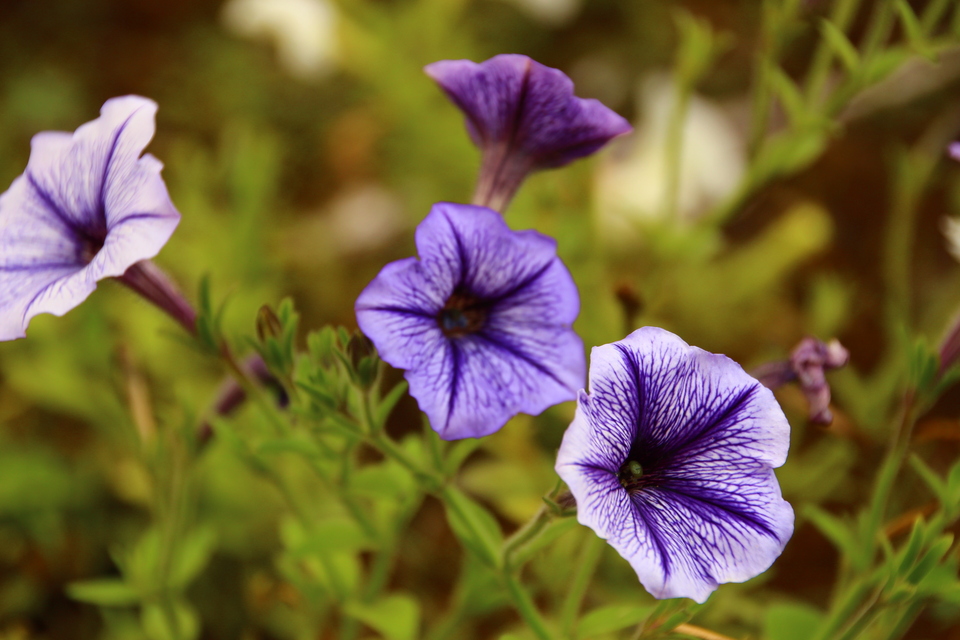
552,13
951,229
362,218
630,186
303,31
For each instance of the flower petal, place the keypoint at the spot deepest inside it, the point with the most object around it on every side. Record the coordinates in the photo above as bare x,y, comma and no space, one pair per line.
472,248
472,386
37,249
397,311
74,175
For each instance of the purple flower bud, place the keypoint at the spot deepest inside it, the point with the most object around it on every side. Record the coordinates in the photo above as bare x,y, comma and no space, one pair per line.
670,458
88,207
481,322
524,117
808,363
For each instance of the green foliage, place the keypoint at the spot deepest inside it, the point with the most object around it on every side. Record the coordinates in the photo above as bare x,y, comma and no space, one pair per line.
338,512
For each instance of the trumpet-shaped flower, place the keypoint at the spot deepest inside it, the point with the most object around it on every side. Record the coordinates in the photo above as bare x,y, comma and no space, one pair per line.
670,458
524,117
87,207
480,323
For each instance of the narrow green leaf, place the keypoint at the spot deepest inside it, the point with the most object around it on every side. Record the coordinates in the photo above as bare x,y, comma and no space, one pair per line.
790,97
912,27
609,619
931,558
840,45
104,592
836,530
475,527
910,550
930,478
192,555
396,617
791,621
389,401
175,620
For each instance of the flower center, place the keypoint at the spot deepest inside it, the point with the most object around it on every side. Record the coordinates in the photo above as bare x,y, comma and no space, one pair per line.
461,315
89,248
629,475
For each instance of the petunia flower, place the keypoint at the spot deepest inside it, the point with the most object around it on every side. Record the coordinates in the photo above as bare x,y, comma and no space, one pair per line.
88,207
524,117
670,459
480,323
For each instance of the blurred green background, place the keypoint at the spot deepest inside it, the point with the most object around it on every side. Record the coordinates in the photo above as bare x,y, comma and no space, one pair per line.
303,144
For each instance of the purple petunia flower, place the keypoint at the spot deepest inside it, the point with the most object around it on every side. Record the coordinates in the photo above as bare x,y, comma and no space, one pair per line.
670,458
481,322
524,117
87,207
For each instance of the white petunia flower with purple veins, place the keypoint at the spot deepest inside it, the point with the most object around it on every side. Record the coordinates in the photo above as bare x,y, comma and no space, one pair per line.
524,117
480,322
88,207
670,459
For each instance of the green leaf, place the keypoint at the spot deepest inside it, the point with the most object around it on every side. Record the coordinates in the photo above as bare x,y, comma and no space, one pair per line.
788,93
910,550
389,401
610,618
175,620
104,592
333,534
192,555
931,479
396,617
931,558
476,528
912,27
835,529
288,445
458,453
791,621
840,45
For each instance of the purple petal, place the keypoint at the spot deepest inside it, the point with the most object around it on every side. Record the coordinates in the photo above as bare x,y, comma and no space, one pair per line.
397,311
470,387
707,508
511,99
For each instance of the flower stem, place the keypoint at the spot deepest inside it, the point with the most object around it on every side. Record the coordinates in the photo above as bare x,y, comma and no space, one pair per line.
590,554
154,285
527,533
525,607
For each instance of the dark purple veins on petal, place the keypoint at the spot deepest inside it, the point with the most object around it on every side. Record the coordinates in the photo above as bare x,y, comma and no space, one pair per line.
89,241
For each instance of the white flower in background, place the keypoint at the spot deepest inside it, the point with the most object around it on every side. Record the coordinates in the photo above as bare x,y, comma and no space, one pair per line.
303,31
552,13
359,219
630,186
951,229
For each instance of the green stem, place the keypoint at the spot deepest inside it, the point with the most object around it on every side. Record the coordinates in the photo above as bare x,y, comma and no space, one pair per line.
526,534
526,608
590,554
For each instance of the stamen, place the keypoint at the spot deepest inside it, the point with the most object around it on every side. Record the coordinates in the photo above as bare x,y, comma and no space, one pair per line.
461,315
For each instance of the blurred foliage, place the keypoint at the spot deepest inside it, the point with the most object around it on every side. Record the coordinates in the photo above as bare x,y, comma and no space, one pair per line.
119,520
